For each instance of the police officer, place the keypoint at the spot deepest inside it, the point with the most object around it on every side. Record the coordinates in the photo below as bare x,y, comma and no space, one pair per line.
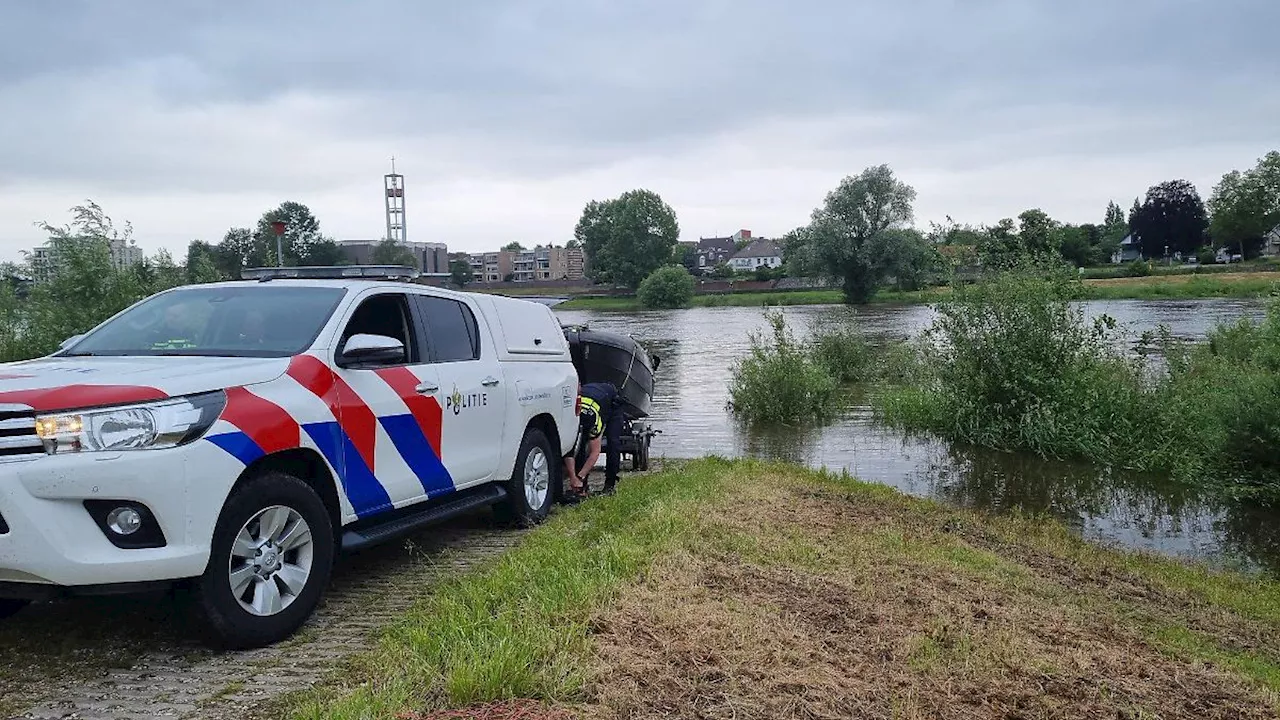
600,418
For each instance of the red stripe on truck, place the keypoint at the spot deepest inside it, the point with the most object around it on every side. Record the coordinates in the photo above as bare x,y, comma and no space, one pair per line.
75,397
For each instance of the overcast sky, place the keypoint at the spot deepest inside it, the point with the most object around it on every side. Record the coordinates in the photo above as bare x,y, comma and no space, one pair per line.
187,118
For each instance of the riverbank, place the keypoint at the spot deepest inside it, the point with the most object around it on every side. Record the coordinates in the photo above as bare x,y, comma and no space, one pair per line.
1154,287
756,590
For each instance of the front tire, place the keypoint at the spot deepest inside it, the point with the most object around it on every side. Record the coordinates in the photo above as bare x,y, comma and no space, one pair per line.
10,607
271,558
534,481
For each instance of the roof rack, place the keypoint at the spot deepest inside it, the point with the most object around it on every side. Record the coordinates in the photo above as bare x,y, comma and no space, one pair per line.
332,272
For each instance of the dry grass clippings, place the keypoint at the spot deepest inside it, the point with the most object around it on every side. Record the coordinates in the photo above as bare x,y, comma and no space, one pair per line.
713,634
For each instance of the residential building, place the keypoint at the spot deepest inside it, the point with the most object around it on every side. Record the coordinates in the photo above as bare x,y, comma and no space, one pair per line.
491,267
715,250
430,257
575,263
548,263
522,267
44,259
760,253
1130,250
540,263
1271,242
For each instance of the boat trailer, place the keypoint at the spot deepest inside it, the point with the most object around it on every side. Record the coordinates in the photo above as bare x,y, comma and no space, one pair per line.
636,437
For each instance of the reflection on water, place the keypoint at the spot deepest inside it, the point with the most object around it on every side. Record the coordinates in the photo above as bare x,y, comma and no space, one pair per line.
699,346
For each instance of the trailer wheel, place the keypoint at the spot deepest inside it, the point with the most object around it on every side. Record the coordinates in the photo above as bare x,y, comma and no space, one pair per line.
642,454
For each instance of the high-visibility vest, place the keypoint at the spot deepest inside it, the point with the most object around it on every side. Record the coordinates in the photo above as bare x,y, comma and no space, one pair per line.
593,407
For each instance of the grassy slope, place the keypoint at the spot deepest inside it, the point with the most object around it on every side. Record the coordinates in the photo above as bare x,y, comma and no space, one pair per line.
762,590
1236,285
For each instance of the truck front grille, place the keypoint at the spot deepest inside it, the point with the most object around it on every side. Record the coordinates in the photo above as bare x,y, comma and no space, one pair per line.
18,431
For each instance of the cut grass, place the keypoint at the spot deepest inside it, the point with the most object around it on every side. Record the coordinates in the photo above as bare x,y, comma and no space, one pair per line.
745,589
519,627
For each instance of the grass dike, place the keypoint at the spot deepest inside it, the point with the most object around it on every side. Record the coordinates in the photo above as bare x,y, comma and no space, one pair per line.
744,589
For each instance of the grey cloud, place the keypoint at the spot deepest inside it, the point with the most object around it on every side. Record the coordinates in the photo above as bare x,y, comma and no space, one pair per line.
557,85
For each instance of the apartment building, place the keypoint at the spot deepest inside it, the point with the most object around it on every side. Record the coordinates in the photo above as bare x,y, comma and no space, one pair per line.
492,267
43,260
540,263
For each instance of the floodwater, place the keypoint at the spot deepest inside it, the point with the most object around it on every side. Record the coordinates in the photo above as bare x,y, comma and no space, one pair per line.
698,347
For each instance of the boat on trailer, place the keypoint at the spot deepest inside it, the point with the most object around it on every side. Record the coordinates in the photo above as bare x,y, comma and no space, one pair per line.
601,356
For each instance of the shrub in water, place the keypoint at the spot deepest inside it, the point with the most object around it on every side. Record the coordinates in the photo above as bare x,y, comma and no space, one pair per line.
666,287
1014,364
838,347
779,382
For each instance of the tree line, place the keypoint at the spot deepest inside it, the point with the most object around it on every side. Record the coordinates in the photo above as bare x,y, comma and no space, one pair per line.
863,235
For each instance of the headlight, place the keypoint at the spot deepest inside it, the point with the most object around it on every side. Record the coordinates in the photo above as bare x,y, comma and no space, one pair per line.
151,426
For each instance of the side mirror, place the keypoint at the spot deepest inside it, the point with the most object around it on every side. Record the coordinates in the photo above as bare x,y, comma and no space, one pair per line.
364,348
70,341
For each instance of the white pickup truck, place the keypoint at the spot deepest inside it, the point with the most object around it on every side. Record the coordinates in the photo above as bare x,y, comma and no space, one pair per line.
234,437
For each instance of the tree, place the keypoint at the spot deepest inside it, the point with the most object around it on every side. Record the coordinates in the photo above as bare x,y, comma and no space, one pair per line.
666,287
202,263
460,272
1036,231
843,229
1172,216
1114,227
1000,247
798,258
573,244
628,237
390,252
1114,215
302,242
908,257
685,255
85,288
1075,244
513,246
1244,207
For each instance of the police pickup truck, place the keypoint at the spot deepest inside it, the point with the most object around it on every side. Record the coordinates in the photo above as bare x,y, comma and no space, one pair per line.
232,438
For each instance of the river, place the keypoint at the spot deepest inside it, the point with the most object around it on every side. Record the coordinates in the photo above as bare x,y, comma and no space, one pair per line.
698,347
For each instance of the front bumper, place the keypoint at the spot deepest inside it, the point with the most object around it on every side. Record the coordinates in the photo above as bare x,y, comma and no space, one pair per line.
52,539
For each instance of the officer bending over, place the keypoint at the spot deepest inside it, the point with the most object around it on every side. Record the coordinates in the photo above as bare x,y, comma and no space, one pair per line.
600,418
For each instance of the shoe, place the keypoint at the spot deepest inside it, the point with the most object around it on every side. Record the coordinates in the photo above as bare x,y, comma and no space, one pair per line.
608,490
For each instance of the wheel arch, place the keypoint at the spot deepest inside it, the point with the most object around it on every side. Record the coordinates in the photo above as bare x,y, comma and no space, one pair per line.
547,424
308,466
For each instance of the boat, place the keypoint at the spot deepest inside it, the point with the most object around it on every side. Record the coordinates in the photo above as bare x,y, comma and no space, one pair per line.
601,356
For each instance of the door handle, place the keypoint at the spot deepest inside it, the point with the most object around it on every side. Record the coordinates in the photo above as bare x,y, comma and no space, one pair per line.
489,381
426,388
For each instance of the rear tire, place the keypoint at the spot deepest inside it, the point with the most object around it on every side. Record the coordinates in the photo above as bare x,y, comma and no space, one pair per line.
10,607
534,483
271,558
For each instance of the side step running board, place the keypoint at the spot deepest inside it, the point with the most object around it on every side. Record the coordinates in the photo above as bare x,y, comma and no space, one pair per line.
361,538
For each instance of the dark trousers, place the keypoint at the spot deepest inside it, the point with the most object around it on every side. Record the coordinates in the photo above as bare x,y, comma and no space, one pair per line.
612,450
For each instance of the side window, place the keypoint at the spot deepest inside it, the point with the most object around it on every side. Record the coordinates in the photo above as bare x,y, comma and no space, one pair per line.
383,315
452,331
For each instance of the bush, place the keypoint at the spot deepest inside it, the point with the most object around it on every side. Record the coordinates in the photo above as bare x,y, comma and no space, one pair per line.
779,382
1136,268
667,287
1013,364
839,348
1010,363
1206,256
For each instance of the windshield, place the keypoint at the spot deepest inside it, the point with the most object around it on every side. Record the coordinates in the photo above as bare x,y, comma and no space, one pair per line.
248,321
